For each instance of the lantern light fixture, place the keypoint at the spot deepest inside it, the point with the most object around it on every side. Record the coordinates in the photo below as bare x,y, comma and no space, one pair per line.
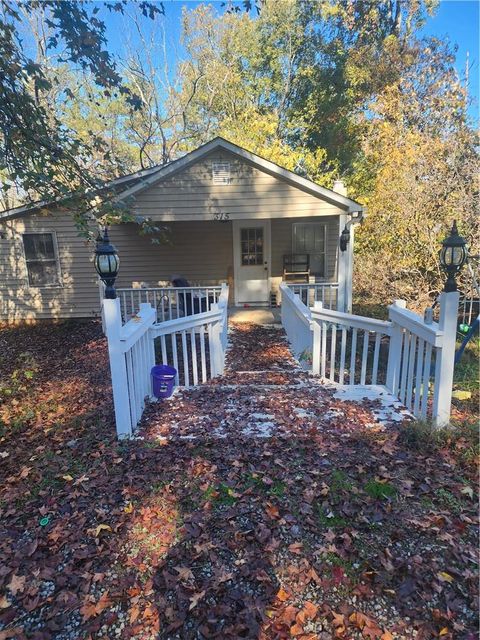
453,256
344,238
107,263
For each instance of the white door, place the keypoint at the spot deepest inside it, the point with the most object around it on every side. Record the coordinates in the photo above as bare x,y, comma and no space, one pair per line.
251,250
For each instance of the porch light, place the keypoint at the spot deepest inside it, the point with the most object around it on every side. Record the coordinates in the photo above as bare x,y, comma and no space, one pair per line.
453,256
344,239
107,263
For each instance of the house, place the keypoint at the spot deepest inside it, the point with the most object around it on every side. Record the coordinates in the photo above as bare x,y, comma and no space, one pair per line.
232,217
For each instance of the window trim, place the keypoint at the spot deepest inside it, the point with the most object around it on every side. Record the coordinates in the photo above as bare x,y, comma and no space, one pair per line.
59,282
309,224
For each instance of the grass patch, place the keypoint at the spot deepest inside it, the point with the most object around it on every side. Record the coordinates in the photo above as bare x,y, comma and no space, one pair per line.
449,501
339,481
463,438
380,490
222,494
328,519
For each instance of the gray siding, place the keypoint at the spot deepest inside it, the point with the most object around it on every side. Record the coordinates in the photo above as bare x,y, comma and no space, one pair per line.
191,195
199,251
77,293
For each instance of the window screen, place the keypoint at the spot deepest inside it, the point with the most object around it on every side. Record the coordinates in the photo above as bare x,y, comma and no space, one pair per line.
41,259
309,238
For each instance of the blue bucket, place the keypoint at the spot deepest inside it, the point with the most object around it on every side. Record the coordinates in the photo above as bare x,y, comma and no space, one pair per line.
163,380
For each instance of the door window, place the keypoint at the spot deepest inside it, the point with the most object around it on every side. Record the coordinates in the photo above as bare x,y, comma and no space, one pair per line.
251,246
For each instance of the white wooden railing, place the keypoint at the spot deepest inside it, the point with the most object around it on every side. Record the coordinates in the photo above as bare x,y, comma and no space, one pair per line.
297,320
346,347
169,302
195,345
412,357
324,292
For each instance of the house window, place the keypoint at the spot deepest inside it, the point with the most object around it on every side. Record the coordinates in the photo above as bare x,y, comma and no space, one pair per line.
221,172
310,237
251,240
41,258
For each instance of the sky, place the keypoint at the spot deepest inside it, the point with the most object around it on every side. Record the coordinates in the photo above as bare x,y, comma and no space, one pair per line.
458,20
455,20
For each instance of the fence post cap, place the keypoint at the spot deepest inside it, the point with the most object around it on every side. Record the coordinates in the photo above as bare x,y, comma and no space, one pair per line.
400,303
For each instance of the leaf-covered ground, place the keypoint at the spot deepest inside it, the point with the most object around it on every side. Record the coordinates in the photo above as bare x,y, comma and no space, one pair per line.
257,506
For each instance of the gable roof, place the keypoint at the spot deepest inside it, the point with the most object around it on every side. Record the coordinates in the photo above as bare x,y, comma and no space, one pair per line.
132,184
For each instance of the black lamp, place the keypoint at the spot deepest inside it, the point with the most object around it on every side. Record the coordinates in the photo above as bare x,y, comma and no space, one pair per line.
107,263
453,256
344,239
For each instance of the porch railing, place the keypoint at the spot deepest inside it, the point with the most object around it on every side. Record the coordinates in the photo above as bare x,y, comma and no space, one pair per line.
169,302
195,345
324,292
411,356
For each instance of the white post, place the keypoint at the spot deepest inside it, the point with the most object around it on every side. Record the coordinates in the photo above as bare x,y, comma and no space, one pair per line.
118,367
101,294
342,267
349,275
445,359
317,336
395,353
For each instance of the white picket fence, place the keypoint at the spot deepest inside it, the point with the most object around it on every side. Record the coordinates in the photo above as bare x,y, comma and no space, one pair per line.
195,345
410,356
169,302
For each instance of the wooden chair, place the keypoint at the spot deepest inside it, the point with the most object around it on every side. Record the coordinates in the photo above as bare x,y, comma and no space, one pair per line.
296,267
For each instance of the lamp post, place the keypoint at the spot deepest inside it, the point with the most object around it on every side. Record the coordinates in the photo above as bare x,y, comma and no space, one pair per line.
453,256
107,263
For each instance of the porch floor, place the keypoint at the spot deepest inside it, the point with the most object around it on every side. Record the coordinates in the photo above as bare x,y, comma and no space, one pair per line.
256,315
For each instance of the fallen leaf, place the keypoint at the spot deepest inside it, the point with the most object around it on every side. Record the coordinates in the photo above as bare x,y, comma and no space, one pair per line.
283,595
195,599
17,584
102,527
443,576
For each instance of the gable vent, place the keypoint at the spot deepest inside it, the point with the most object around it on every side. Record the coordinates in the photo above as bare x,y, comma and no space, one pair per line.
221,172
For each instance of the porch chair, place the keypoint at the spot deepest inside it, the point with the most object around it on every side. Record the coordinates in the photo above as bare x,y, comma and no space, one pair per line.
296,267
193,302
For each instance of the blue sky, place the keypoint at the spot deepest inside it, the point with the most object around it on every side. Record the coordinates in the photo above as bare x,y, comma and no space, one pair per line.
458,20
455,20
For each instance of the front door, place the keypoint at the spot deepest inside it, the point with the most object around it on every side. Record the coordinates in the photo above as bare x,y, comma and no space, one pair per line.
251,240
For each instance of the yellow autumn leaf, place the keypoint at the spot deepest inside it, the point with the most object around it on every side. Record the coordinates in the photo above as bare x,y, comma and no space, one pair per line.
443,632
102,527
67,477
445,577
128,508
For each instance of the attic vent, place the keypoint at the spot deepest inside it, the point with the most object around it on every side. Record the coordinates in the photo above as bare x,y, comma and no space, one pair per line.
221,172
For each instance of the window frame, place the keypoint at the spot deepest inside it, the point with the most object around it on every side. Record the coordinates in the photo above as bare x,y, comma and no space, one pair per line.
309,224
55,285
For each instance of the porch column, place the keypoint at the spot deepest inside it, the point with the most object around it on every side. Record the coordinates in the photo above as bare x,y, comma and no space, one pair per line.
342,267
345,259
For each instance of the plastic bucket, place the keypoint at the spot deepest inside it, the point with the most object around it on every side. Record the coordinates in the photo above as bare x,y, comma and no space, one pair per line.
163,380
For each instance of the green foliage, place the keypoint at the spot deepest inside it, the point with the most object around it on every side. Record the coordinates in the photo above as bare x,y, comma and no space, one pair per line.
380,490
40,154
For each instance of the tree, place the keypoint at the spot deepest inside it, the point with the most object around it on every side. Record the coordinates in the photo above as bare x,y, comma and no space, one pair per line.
39,153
